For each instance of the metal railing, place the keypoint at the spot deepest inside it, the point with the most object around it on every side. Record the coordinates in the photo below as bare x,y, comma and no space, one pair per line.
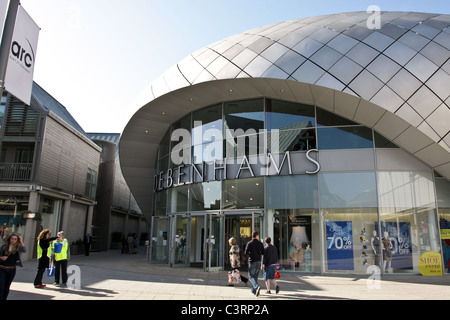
15,171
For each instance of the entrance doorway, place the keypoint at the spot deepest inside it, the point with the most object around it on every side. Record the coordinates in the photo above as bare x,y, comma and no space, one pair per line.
240,226
201,239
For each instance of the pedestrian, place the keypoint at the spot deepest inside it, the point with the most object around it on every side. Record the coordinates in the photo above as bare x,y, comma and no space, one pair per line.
235,259
130,242
61,251
254,250
270,265
9,259
3,232
87,244
19,229
43,255
124,244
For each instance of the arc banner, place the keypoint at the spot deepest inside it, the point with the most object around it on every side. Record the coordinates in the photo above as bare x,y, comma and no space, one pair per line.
22,56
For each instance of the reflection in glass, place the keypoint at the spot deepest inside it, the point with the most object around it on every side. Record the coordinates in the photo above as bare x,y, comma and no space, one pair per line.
382,142
243,193
344,138
178,199
292,192
205,196
244,115
161,203
282,115
291,140
408,218
326,118
207,125
348,190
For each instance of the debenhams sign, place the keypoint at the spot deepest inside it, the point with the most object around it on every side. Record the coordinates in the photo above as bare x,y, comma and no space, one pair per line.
257,163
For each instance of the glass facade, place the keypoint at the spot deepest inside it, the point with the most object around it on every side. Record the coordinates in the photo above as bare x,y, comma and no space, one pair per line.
329,220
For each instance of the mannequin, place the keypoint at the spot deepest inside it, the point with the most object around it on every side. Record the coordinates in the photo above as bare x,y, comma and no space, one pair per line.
387,251
375,243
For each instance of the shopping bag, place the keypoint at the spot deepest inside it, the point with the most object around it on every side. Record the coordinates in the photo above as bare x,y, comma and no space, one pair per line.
234,277
277,274
50,271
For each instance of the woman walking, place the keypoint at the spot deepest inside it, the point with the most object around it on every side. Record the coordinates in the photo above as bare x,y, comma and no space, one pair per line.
235,259
9,259
43,255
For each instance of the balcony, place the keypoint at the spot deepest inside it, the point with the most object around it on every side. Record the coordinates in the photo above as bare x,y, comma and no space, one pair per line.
15,171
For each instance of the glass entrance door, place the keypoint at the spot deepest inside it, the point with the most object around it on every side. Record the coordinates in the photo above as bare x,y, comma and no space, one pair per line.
241,226
159,245
214,242
180,242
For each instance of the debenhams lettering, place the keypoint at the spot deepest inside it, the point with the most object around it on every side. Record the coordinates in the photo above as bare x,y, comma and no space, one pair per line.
243,167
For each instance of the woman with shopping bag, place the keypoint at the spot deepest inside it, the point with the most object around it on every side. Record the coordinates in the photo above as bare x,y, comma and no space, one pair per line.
234,276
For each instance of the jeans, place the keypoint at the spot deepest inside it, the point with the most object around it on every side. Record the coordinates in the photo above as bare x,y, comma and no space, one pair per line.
253,272
6,278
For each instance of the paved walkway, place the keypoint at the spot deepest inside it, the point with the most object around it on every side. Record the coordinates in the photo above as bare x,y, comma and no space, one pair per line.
114,276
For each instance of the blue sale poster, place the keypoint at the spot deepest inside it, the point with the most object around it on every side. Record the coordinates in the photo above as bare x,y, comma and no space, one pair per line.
399,233
339,245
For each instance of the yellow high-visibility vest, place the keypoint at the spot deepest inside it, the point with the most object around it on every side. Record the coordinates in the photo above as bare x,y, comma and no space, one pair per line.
39,251
63,254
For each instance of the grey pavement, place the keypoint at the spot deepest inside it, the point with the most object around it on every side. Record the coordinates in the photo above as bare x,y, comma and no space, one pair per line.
114,276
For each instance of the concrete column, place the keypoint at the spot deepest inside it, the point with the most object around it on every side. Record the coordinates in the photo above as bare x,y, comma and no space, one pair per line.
65,215
90,214
31,227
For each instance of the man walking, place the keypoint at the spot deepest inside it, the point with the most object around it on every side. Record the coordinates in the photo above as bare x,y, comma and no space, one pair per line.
254,250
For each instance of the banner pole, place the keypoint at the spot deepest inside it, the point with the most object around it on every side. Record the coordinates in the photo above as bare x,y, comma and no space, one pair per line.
6,40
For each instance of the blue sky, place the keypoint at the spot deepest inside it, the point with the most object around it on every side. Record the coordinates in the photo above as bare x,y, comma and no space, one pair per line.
97,56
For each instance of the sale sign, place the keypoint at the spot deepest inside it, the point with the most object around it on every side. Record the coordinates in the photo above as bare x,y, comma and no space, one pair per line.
430,264
339,245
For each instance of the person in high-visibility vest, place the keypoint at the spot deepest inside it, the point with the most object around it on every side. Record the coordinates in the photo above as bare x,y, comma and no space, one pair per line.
43,256
61,250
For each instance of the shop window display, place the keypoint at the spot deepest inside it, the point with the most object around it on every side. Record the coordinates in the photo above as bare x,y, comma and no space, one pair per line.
408,218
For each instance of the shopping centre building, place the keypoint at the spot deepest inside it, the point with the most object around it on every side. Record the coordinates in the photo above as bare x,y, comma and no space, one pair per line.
329,134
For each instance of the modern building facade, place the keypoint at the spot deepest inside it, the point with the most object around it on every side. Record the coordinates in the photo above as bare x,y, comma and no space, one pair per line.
322,133
116,210
48,169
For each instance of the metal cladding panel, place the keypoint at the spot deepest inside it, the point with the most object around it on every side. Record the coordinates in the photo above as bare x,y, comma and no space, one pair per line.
396,74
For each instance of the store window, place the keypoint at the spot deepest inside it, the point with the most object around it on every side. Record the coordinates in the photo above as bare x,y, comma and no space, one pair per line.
443,201
296,234
349,210
408,217
292,209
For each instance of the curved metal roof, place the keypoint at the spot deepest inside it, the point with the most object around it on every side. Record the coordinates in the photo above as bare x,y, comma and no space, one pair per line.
394,79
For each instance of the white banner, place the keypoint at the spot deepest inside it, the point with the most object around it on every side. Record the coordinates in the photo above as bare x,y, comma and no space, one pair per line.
3,8
22,55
